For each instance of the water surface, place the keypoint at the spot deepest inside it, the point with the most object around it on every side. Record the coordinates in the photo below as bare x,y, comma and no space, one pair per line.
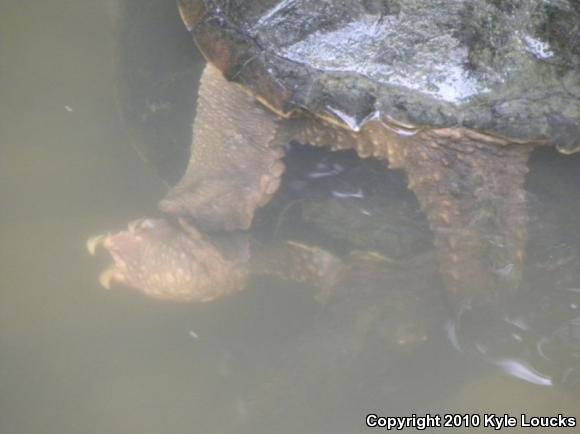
75,358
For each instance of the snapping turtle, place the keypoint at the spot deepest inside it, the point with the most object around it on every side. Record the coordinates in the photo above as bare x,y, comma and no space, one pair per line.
455,93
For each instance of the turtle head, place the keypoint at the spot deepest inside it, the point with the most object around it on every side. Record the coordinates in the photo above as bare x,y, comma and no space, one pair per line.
173,261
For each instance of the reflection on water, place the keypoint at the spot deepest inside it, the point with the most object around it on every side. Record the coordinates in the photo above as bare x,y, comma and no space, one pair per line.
279,357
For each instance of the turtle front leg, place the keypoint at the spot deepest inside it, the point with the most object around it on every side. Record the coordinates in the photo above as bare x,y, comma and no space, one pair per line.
471,187
235,164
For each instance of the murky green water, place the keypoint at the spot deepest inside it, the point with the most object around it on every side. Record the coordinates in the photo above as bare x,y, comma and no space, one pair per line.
75,358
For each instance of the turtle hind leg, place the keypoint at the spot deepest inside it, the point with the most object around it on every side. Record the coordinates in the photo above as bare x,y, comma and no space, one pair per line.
471,187
235,164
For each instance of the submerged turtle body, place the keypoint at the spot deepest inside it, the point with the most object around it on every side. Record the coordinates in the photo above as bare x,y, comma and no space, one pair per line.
455,93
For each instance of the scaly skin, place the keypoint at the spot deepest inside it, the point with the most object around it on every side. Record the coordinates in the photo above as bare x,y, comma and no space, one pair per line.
470,186
235,164
176,262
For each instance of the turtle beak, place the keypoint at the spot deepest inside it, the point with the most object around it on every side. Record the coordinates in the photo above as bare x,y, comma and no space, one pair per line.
116,272
111,274
107,277
93,243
